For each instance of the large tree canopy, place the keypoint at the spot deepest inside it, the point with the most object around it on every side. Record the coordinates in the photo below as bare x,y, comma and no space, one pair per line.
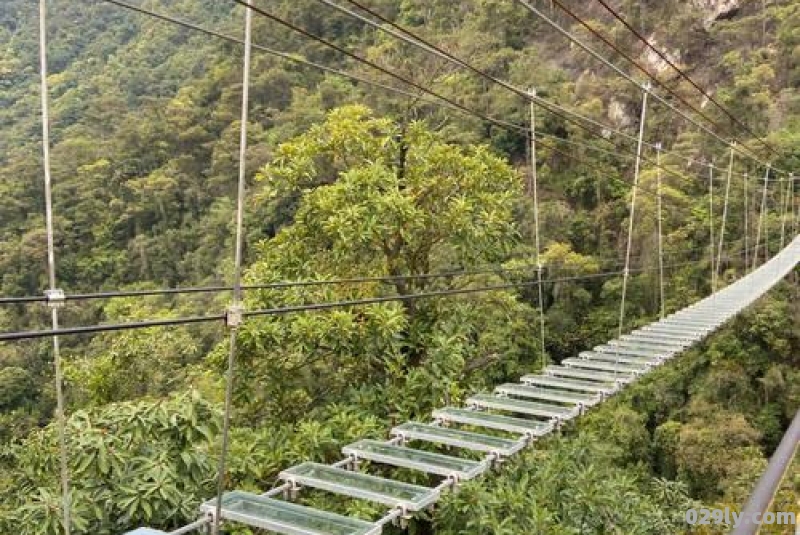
380,198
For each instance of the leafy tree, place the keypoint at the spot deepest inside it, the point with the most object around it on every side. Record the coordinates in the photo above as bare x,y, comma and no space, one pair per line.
145,462
381,199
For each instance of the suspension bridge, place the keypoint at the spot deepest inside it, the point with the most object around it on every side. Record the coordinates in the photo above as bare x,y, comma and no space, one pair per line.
495,425
523,412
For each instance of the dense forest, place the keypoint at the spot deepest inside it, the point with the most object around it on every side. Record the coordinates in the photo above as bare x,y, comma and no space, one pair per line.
349,180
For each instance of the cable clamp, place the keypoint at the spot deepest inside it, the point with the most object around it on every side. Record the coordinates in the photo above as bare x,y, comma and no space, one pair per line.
234,316
55,298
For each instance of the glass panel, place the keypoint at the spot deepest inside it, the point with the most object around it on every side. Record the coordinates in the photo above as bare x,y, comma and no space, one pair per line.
640,340
633,360
523,407
425,461
569,384
664,345
634,351
363,486
588,375
610,366
672,329
287,518
493,421
560,396
660,336
459,439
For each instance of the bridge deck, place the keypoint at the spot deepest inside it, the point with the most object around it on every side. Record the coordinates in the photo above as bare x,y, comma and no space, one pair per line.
560,393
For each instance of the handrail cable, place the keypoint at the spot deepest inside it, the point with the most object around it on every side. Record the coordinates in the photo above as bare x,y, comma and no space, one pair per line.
124,326
486,269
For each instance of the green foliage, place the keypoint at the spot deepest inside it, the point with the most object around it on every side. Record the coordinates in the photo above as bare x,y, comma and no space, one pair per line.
145,152
147,462
380,199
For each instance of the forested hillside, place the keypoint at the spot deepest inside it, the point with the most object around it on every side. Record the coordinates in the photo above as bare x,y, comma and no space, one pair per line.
348,180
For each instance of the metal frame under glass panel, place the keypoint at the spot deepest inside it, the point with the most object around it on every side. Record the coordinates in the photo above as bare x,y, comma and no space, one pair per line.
694,334
548,394
652,353
672,347
602,366
457,438
361,486
589,375
622,359
542,410
488,420
570,384
670,337
286,518
424,461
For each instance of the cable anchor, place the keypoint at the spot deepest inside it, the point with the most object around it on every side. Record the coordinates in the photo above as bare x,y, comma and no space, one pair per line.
55,298
234,316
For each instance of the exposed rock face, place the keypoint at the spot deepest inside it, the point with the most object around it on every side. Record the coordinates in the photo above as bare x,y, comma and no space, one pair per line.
618,114
717,9
655,62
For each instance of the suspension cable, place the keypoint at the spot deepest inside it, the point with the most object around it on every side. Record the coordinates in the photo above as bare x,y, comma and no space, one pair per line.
784,209
54,294
234,316
641,68
547,105
746,224
632,216
414,39
664,57
761,220
724,216
437,102
662,302
711,241
535,192
620,72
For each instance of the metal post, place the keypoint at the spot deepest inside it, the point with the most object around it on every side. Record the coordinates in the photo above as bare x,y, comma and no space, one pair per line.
637,168
535,192
662,308
55,296
724,215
